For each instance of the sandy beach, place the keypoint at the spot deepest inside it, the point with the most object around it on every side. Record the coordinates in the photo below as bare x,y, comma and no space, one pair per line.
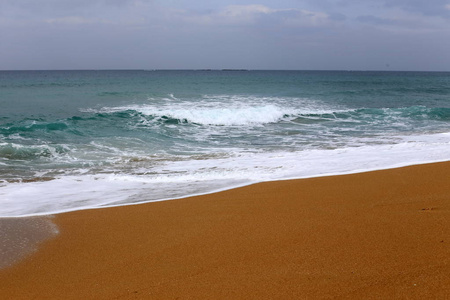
375,235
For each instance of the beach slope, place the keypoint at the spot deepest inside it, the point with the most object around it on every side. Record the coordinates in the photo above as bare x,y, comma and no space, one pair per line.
375,235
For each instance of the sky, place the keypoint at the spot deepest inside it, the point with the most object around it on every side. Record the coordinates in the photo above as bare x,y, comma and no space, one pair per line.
410,35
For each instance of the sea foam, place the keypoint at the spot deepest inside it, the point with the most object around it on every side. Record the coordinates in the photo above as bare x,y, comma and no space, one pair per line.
181,178
226,110
222,116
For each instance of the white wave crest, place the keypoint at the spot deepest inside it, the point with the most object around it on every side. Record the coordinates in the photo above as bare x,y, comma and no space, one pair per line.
231,116
226,110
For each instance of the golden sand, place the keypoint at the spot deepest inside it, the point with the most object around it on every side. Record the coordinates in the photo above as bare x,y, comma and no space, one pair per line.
375,235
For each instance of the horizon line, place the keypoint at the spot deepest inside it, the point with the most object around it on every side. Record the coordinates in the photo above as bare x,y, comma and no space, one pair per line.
223,70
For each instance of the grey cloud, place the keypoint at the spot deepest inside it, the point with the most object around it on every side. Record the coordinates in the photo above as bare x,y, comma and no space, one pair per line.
430,7
26,9
337,17
376,20
296,18
426,8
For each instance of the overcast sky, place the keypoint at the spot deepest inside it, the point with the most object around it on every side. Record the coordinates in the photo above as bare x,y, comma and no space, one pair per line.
216,34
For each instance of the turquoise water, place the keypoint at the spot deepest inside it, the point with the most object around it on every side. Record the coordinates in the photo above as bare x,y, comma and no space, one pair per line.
80,139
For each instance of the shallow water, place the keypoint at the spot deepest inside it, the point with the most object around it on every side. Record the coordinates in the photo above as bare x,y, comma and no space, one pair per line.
20,237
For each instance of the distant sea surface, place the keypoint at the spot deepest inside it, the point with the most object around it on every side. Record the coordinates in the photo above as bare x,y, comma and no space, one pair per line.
73,140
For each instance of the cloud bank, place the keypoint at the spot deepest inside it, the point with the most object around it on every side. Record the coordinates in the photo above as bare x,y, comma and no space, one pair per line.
149,34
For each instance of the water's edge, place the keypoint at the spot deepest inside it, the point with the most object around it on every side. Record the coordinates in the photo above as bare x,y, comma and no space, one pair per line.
356,171
20,237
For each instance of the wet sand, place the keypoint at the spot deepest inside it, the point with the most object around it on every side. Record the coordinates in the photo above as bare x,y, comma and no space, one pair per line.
374,235
20,237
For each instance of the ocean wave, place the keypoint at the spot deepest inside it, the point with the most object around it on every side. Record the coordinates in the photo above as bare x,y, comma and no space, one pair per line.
33,125
254,115
412,113
158,118
13,151
219,110
222,116
422,112
416,112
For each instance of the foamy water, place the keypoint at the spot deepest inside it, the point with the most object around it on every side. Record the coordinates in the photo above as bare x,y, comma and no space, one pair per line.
130,137
192,177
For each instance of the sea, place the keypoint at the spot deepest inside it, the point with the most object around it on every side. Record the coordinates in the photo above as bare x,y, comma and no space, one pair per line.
72,140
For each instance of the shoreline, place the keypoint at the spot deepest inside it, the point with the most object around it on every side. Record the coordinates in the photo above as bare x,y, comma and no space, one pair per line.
353,172
373,234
